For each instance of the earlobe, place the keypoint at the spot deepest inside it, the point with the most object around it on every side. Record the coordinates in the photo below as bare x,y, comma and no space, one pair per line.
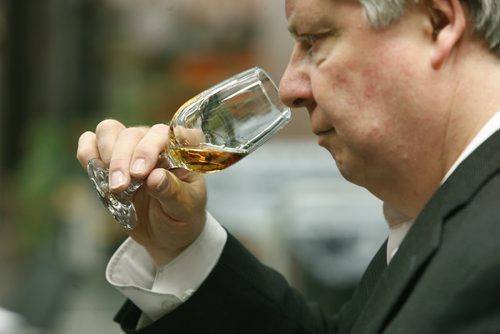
448,19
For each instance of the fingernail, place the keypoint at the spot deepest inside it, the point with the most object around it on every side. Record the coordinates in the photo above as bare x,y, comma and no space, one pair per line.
163,184
117,180
139,166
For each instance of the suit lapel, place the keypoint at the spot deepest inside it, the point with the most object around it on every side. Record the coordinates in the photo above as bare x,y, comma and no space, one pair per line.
350,311
418,246
424,237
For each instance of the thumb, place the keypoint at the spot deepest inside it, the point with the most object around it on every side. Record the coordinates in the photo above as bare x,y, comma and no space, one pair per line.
179,192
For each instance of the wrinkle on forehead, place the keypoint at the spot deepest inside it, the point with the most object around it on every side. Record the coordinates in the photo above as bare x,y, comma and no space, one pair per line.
301,11
319,14
298,6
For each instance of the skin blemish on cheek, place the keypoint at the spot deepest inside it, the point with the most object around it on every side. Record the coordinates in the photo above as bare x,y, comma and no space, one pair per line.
369,91
341,79
371,79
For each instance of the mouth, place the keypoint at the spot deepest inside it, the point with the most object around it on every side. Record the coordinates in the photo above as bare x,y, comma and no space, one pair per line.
323,132
324,136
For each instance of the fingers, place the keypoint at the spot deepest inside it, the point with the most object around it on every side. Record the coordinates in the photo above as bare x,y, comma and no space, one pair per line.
171,205
146,152
129,152
135,154
98,145
107,133
121,155
87,148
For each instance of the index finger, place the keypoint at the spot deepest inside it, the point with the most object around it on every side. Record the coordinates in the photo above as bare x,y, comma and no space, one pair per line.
146,152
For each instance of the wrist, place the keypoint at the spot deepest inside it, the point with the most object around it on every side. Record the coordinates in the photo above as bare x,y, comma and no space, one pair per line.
172,246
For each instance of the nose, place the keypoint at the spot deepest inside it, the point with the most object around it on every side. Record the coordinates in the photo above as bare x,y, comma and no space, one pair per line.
295,86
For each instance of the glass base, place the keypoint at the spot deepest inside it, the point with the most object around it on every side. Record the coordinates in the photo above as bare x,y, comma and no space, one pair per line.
119,205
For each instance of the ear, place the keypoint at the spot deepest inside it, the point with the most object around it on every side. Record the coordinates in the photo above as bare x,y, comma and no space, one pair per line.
448,20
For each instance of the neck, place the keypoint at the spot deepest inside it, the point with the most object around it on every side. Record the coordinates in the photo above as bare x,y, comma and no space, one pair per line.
469,104
474,101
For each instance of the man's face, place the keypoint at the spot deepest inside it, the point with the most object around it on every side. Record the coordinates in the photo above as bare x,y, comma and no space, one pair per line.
367,90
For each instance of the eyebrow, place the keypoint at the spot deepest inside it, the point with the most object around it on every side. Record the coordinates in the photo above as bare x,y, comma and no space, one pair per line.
293,30
318,27
326,32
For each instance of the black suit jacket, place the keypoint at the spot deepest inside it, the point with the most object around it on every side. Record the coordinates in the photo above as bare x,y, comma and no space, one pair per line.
445,277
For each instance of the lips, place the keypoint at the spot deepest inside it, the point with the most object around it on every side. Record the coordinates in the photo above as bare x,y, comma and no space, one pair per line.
321,132
324,136
320,124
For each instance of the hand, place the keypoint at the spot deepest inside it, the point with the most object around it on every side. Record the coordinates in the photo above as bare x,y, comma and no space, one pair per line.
170,205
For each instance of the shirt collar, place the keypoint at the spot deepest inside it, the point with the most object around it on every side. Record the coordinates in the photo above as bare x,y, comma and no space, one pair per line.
486,131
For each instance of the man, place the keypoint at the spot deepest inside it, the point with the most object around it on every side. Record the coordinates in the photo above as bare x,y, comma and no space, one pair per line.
404,95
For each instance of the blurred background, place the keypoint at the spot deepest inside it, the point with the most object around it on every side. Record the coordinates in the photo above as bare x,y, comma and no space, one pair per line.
67,64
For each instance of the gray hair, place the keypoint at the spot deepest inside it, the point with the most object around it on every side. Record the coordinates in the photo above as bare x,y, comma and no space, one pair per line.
484,15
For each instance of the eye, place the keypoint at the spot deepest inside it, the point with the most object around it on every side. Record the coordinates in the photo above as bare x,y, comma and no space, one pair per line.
308,43
315,45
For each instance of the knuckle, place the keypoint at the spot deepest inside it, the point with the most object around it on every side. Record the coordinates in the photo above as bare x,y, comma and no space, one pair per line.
120,159
85,137
147,154
107,124
160,128
153,142
119,162
133,133
143,151
128,132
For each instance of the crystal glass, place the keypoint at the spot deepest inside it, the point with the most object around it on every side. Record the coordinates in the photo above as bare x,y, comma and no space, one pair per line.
210,132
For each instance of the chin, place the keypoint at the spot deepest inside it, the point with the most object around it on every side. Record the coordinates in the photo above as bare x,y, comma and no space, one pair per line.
349,173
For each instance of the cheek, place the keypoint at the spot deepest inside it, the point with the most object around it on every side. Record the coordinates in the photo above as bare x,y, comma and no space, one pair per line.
371,79
356,105
351,97
353,80
334,91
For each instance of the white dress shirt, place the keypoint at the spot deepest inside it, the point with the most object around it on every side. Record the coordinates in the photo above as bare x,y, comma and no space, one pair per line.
157,292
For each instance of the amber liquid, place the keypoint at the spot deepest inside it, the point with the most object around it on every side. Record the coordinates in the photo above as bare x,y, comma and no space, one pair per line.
207,158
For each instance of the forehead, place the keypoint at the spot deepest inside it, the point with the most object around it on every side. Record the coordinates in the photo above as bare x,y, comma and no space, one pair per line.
302,13
297,7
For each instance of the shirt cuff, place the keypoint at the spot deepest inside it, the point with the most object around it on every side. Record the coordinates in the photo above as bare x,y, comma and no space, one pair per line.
158,291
